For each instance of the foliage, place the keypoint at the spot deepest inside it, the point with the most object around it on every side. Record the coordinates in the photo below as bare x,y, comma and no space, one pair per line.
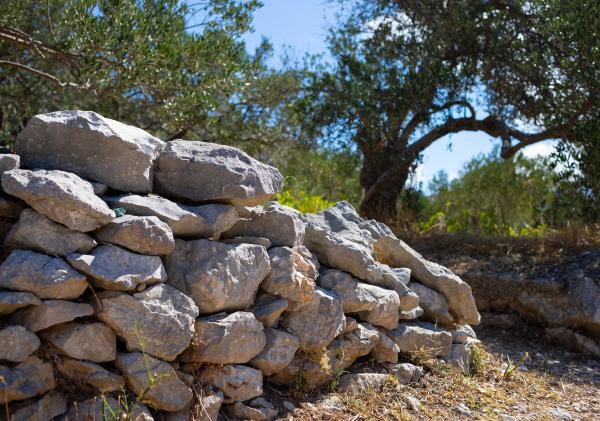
407,73
303,201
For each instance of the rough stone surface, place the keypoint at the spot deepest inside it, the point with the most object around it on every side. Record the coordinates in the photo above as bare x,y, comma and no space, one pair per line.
415,313
226,339
573,340
395,279
462,333
386,350
140,234
237,382
30,378
362,382
204,221
200,171
78,141
269,311
406,373
217,276
277,353
10,207
318,322
293,274
457,292
280,224
12,301
91,341
36,232
114,268
9,161
376,229
92,374
161,315
104,408
247,412
63,197
422,337
385,314
42,275
259,241
210,407
17,343
433,303
461,356
49,406
167,392
50,313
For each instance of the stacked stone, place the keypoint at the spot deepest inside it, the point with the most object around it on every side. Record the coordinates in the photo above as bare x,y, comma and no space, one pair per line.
149,268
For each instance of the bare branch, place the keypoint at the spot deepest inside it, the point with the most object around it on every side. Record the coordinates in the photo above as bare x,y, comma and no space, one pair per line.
43,74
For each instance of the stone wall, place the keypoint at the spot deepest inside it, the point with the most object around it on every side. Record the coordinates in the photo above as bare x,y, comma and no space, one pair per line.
161,271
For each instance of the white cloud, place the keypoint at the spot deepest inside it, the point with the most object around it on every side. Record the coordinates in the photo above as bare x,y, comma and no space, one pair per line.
540,149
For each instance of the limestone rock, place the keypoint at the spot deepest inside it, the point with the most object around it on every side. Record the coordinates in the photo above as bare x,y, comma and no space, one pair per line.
45,276
210,407
237,382
99,188
10,207
462,333
226,339
356,296
140,234
433,303
362,382
259,241
90,146
304,372
422,337
61,196
9,161
351,325
413,314
167,393
392,278
217,276
162,316
293,274
114,268
89,373
50,313
385,314
204,221
376,229
200,171
573,340
91,341
269,312
12,301
252,411
406,373
457,292
17,343
343,351
36,232
280,224
386,350
277,353
318,322
48,407
30,378
106,408
461,356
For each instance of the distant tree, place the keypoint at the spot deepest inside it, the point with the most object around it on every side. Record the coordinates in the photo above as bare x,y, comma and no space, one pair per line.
406,73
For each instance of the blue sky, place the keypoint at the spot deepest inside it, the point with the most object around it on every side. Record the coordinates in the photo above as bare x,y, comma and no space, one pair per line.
301,27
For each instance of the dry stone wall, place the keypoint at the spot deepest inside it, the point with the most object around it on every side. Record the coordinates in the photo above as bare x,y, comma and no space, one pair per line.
160,270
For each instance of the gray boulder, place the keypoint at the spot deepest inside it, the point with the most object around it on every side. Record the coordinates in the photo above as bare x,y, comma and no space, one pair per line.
433,303
210,407
386,350
252,411
226,339
259,241
50,313
280,224
114,268
356,296
200,171
91,374
12,301
362,382
318,322
160,319
277,353
44,276
396,280
269,310
204,221
462,334
90,341
17,344
461,303
48,407
140,234
90,146
573,340
9,161
376,229
32,377
293,274
107,408
406,373
386,313
422,337
61,196
237,382
461,356
36,232
156,380
217,276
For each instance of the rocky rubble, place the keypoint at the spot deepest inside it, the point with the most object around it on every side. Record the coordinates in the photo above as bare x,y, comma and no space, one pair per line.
178,280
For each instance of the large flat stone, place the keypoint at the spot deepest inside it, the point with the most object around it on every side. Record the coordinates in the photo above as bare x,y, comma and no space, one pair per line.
200,171
422,337
160,320
277,353
37,232
90,146
226,339
42,275
217,276
92,374
17,343
204,221
114,268
433,303
61,196
12,301
140,234
356,296
32,377
50,313
90,341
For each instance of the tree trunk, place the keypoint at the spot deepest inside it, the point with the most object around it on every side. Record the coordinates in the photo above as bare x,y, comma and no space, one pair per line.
380,198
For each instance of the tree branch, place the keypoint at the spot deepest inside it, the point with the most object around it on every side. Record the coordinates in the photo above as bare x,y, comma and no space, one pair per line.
43,74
